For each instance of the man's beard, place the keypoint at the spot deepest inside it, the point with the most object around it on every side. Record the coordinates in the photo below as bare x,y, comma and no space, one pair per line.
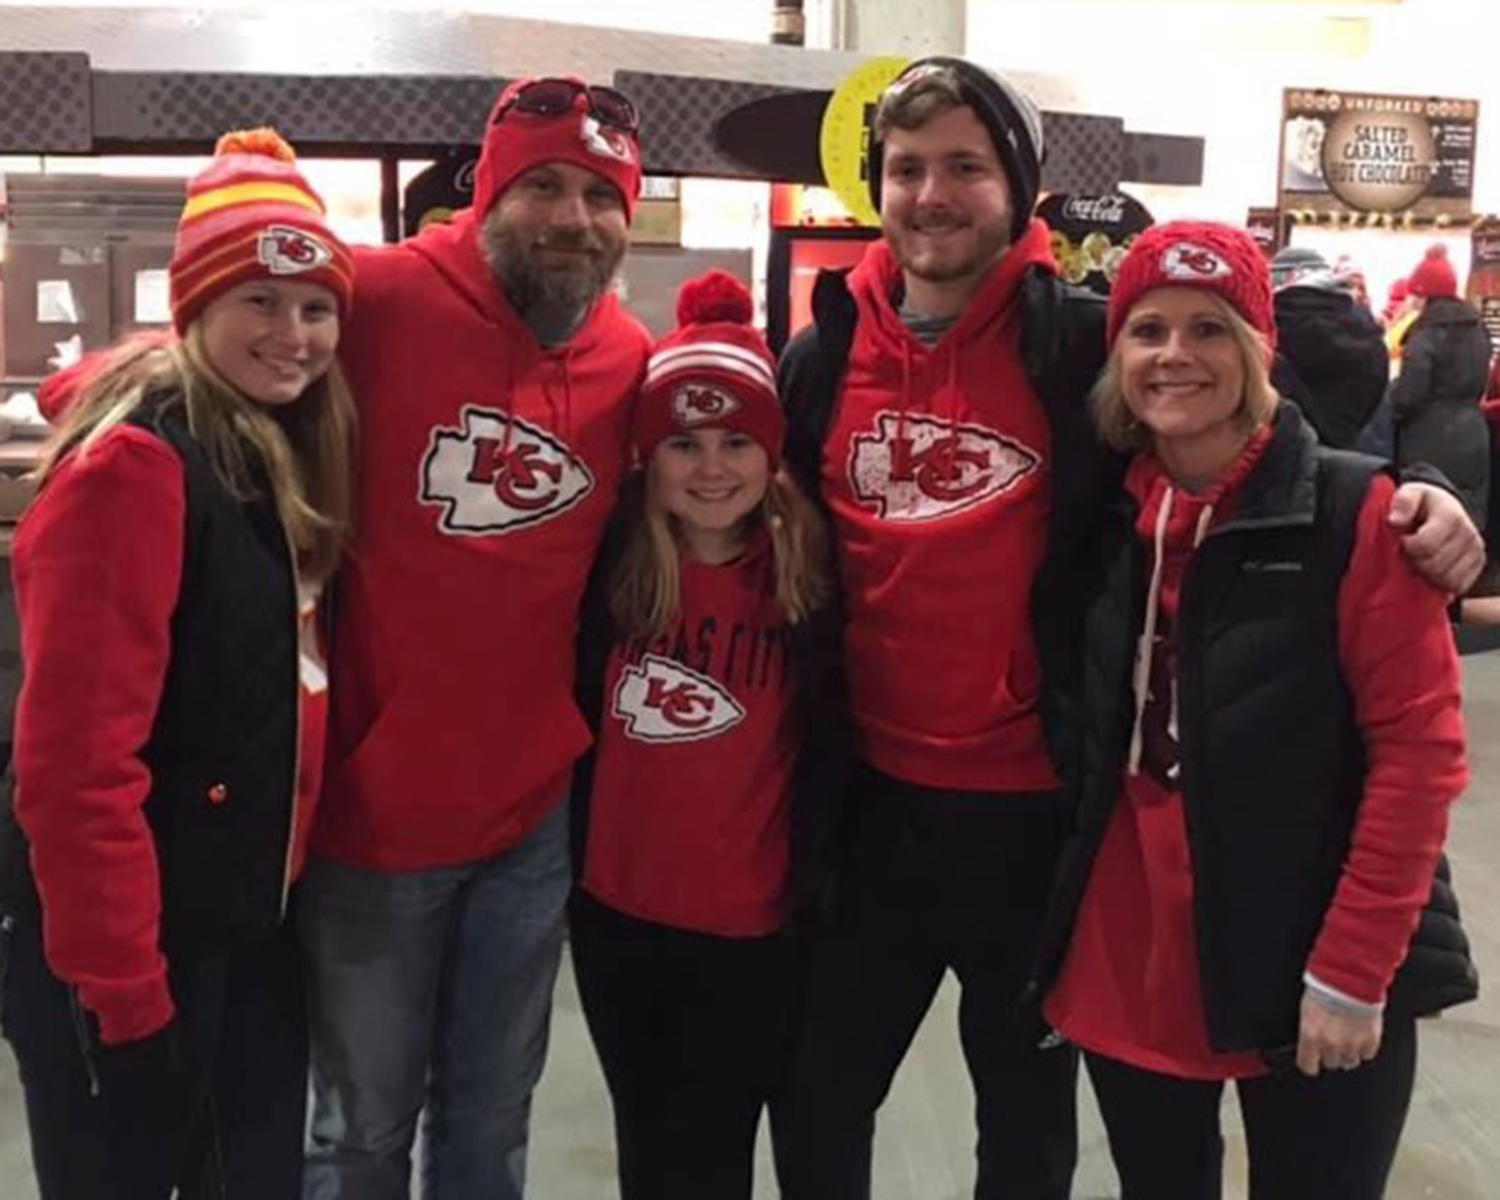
990,244
551,293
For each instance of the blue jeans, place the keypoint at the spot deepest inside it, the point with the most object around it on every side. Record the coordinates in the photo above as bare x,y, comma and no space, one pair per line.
431,993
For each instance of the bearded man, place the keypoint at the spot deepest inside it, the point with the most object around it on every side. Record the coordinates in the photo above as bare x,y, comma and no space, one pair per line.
494,371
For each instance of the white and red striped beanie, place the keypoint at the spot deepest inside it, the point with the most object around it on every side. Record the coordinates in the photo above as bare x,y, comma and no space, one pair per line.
714,371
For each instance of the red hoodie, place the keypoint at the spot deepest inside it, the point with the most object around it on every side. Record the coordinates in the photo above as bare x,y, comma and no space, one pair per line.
1130,986
937,469
487,467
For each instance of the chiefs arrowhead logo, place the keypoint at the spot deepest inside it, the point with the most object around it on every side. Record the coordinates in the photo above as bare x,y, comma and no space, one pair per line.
924,469
662,701
283,250
499,473
1194,263
700,403
605,141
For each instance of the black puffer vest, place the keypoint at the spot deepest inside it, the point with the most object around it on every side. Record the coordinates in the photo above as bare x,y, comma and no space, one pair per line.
1271,755
223,750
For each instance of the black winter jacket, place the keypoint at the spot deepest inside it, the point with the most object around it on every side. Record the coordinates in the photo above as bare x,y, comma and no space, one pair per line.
1445,363
1331,359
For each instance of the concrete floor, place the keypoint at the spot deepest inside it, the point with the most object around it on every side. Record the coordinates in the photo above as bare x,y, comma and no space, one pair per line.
924,1151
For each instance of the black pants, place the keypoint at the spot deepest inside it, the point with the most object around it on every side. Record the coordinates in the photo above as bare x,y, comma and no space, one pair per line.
241,1018
1332,1137
935,880
695,1036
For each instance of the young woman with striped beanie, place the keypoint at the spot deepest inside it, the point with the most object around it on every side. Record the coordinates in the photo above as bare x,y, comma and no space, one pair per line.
169,731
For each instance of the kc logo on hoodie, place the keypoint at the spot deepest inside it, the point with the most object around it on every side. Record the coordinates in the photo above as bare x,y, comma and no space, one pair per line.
662,701
921,468
499,473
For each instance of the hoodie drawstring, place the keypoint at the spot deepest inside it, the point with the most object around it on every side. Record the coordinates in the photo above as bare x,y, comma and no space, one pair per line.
905,392
1146,645
953,407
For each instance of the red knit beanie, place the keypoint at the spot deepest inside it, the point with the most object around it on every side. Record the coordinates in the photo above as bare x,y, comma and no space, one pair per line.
516,141
251,215
1434,275
714,371
1196,254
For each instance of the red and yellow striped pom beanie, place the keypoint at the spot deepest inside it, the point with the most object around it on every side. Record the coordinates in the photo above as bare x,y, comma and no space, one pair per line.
251,215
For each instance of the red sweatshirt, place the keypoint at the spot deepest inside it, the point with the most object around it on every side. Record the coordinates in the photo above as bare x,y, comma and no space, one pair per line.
688,813
936,468
98,565
1130,987
487,466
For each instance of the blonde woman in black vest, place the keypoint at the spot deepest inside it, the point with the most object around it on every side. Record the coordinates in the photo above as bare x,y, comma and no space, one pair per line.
1273,736
169,728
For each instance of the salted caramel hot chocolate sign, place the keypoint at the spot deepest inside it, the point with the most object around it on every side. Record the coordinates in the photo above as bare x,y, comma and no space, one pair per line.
1391,156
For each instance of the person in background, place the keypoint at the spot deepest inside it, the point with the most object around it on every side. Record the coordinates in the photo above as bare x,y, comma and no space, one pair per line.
1444,373
170,726
1352,277
1273,737
1330,352
495,372
709,669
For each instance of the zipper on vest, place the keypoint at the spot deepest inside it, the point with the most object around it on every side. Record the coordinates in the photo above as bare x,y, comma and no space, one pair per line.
85,1043
291,829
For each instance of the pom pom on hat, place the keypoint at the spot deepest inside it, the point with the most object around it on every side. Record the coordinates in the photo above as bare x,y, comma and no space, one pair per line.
716,296
714,371
1434,275
250,214
1196,254
263,141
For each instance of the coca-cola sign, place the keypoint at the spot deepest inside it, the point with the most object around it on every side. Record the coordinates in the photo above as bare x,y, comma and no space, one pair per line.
1090,234
1098,210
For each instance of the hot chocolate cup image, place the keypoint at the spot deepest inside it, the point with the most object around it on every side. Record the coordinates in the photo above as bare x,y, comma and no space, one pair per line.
1302,151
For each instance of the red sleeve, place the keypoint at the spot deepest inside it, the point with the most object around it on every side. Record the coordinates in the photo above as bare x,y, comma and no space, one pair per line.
1398,654
98,565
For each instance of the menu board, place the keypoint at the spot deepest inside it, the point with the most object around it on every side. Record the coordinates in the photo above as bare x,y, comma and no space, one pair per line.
1362,152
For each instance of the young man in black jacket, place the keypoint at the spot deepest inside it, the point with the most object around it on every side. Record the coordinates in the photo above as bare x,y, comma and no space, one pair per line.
938,408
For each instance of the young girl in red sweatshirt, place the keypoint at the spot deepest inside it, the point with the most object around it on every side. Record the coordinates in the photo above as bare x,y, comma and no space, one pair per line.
708,664
169,729
1273,736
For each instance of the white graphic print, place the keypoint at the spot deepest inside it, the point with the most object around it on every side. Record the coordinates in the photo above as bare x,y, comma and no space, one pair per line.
921,468
605,141
499,473
1191,262
698,403
662,701
312,666
283,250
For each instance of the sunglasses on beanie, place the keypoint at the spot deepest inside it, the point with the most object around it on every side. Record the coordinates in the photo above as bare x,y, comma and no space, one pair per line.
559,97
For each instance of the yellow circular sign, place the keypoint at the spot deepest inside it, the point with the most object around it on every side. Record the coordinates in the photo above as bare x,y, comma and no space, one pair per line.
844,141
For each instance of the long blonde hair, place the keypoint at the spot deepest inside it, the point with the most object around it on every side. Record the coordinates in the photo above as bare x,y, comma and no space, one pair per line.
302,454
645,588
